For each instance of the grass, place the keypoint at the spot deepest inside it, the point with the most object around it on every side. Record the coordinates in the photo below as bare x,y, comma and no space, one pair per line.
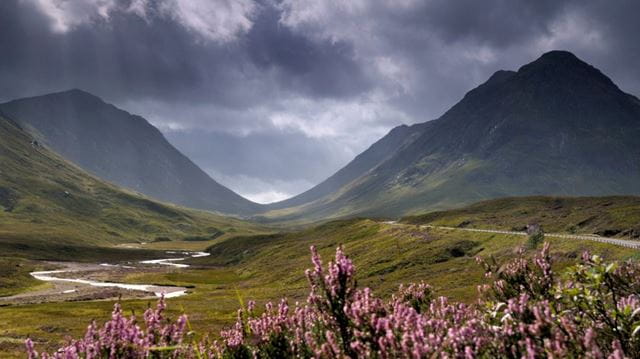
617,216
267,267
385,255
51,210
14,275
47,251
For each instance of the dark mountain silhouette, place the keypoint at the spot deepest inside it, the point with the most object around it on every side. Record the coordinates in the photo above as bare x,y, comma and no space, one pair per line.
122,148
557,126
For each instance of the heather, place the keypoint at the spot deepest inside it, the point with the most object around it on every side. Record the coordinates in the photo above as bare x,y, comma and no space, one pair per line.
525,310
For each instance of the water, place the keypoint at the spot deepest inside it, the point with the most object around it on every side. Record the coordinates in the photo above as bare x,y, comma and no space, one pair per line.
171,261
168,292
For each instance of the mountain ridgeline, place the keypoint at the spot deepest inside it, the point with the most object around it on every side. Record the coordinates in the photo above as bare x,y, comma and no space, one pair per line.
557,126
123,149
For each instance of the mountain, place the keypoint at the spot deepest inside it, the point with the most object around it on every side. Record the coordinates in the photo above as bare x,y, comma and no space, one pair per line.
47,202
364,162
122,148
557,126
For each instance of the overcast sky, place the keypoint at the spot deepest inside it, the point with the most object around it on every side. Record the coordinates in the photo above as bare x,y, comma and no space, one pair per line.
270,97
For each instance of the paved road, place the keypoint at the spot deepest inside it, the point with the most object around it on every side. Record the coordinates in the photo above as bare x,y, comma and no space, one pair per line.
614,241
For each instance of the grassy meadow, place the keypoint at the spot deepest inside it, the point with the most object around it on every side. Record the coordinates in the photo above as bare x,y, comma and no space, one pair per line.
52,211
267,267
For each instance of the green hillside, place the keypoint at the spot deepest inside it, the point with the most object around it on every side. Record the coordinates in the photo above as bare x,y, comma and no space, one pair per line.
606,216
49,208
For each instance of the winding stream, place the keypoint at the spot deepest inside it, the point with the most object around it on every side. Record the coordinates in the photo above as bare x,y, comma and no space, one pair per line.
170,261
167,291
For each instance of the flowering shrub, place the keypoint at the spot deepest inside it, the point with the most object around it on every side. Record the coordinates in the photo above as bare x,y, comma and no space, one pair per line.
121,337
592,311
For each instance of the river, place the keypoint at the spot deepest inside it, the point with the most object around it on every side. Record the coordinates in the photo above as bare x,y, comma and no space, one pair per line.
158,290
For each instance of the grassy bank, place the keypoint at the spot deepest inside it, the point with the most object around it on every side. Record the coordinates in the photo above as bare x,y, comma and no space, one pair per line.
616,216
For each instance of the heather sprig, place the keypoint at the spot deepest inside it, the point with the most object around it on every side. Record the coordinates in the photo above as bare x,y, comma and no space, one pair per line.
122,337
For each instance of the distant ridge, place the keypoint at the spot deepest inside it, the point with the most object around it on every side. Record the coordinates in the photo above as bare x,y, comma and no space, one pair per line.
122,148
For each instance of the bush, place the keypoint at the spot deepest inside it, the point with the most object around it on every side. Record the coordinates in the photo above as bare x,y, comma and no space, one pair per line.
527,311
536,238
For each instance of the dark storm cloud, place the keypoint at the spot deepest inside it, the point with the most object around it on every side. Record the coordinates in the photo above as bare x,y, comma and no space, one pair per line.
254,81
115,58
617,50
316,68
495,23
126,56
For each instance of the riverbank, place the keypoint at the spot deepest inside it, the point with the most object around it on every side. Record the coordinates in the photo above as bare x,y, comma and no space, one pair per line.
73,281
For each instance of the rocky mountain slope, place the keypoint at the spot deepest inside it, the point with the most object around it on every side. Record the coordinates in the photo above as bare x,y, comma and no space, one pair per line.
122,148
51,208
557,126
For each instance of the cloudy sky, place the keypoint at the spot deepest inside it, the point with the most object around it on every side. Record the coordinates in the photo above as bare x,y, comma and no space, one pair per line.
272,96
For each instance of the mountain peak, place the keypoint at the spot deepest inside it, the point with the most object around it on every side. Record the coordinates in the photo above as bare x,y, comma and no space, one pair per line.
77,94
499,77
74,95
557,59
560,66
560,55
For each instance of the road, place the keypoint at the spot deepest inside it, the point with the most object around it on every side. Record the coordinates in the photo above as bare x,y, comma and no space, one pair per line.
614,241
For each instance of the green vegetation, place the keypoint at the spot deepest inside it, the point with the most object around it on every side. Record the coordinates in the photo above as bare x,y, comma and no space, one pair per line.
617,216
266,267
14,275
213,234
386,254
526,310
535,239
54,211
45,250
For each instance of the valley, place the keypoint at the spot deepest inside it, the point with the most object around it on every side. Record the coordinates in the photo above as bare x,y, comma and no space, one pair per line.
267,266
97,208
81,281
